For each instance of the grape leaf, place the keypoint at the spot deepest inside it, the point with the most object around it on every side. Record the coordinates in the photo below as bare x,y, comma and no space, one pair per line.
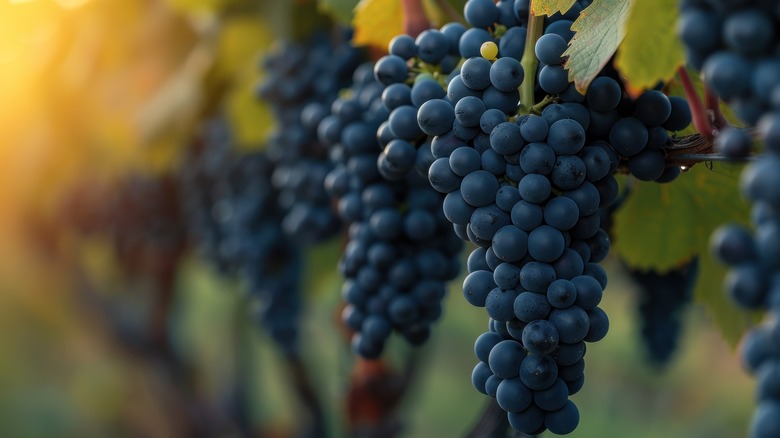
551,7
340,10
661,225
599,30
376,22
651,51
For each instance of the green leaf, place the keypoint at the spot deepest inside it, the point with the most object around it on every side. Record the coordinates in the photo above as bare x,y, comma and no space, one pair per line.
651,51
600,29
340,10
661,225
376,22
551,7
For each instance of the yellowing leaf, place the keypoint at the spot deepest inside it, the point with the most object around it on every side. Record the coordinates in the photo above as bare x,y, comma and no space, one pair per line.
376,22
651,51
599,30
551,7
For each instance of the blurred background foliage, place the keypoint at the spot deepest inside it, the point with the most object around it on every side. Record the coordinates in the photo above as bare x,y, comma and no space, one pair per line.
91,90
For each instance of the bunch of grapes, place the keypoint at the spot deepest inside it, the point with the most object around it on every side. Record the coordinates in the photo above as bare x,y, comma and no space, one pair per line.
663,299
234,216
300,97
526,190
736,46
752,280
401,249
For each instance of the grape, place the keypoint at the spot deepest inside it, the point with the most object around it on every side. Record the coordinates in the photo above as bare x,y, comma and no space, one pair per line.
471,41
564,420
766,421
403,46
553,79
513,396
506,74
561,293
603,94
726,73
480,13
540,337
566,137
504,357
390,69
538,372
475,73
733,143
432,46
549,49
528,421
489,50
749,31
469,110
652,108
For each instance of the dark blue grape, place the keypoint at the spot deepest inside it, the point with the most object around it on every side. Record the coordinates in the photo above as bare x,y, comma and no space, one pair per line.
538,372
505,358
506,74
513,396
549,48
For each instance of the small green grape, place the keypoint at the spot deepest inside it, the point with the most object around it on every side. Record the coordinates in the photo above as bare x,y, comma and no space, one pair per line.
489,50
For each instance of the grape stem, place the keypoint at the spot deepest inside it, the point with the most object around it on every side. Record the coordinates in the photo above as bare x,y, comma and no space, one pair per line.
530,63
701,119
415,20
713,109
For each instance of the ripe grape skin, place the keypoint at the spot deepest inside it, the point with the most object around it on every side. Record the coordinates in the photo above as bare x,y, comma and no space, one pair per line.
603,94
464,160
506,74
504,357
549,48
480,13
564,420
538,372
540,337
553,79
652,108
476,286
531,306
435,117
475,73
469,110
628,136
432,45
572,324
390,69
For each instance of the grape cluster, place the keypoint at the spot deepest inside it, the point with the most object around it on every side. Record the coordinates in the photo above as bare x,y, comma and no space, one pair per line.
300,97
752,280
736,46
401,249
663,298
233,215
526,190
